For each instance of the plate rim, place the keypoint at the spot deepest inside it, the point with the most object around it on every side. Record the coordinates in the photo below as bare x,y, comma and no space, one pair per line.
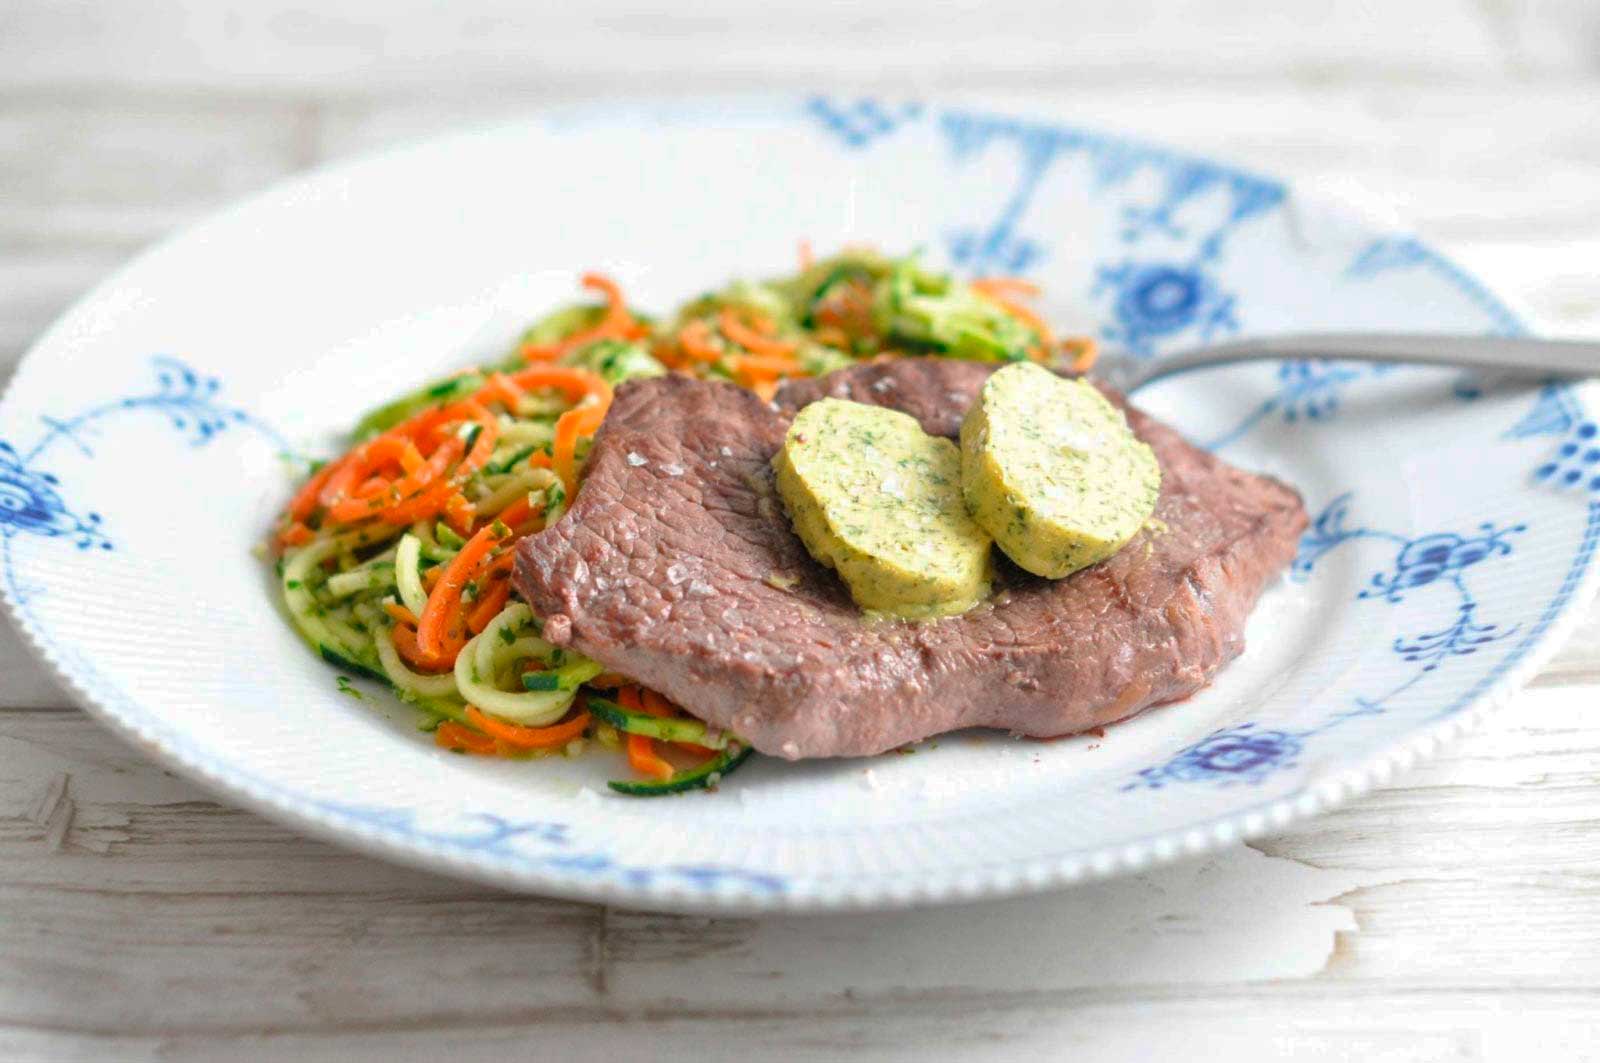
142,728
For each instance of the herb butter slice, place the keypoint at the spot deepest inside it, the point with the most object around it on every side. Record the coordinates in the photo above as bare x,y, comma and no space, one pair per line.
1052,471
877,499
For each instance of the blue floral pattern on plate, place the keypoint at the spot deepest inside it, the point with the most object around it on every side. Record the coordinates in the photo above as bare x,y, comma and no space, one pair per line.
1251,754
1169,252
30,499
1152,298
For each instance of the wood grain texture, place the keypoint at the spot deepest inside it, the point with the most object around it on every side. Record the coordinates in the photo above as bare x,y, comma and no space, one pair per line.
371,46
1452,915
1389,923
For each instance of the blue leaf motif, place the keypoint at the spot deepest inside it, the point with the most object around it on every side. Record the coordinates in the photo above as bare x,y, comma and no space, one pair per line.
858,123
1575,461
1200,202
1460,639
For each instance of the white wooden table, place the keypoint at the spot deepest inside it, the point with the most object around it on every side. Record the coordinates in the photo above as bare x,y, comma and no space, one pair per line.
1452,915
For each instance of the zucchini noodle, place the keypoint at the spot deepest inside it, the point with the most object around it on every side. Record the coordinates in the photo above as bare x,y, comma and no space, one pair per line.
493,657
408,576
529,433
516,485
325,628
366,578
404,679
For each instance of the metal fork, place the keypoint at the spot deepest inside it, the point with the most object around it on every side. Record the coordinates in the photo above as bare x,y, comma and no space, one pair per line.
1520,356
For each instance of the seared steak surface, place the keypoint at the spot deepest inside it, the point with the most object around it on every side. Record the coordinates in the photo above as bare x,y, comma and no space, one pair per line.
676,566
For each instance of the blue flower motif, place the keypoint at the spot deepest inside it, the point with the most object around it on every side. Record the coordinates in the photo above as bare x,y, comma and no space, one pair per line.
1440,555
1154,300
1242,754
30,503
1158,300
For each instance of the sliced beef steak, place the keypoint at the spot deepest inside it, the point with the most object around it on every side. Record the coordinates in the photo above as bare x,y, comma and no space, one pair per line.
677,566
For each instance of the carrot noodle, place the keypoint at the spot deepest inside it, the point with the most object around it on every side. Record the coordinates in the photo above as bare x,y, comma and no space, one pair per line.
488,606
461,739
695,340
574,384
616,323
446,596
460,514
1007,286
296,534
1085,352
503,388
405,643
306,499
643,759
520,737
756,340
643,755
758,366
519,513
399,613
576,422
655,704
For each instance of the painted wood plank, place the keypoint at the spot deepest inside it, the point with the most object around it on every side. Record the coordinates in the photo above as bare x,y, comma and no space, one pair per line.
1388,924
1265,1023
117,875
24,683
1261,1023
85,183
417,46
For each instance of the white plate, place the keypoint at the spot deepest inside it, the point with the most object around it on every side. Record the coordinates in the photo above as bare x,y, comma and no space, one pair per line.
1456,521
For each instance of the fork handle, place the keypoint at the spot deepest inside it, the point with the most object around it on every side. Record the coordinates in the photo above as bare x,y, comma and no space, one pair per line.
1520,354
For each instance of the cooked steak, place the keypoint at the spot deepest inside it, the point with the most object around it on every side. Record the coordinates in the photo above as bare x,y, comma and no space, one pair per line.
676,566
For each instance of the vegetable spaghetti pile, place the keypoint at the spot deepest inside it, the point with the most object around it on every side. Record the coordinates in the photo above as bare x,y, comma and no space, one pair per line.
395,559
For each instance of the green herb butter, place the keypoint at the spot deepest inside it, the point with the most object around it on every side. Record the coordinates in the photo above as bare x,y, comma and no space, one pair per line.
1052,471
877,499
